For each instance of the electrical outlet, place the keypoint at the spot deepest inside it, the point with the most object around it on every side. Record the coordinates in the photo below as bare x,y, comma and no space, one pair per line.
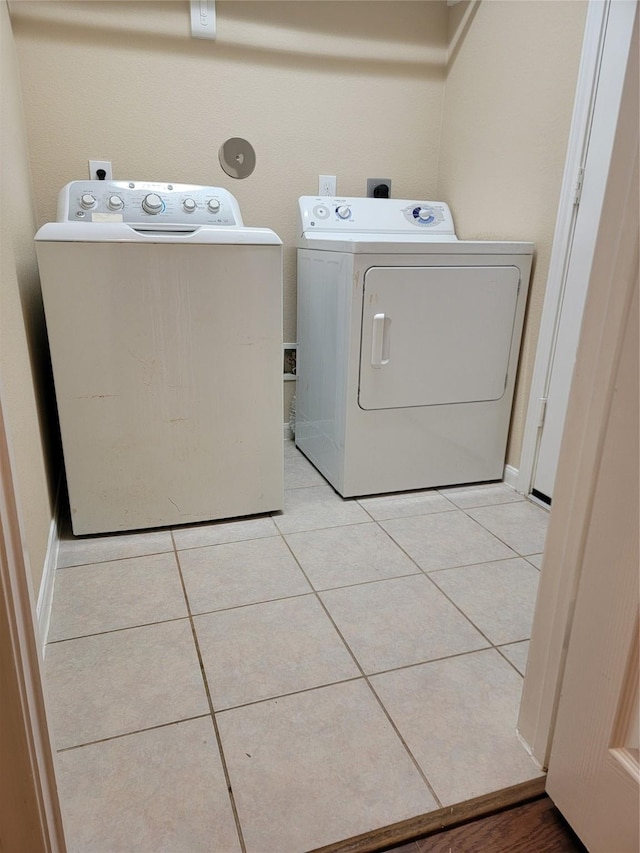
94,165
290,352
376,187
327,185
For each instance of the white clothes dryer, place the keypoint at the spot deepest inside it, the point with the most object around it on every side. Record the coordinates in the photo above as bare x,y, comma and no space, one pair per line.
164,317
408,345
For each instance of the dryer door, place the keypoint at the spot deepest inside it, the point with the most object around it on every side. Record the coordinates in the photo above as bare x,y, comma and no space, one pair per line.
436,335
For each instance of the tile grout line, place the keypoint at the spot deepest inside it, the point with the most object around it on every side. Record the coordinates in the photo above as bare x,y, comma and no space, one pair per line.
216,730
134,732
264,699
273,535
315,529
116,630
483,506
366,679
514,556
377,520
115,559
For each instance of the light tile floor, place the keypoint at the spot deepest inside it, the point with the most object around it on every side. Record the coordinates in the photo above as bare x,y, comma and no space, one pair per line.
279,683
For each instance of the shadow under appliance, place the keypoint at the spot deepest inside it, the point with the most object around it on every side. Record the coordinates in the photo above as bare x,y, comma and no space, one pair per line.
408,344
164,316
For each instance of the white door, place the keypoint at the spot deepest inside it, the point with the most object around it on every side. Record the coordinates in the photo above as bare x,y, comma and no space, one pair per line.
599,141
436,335
594,768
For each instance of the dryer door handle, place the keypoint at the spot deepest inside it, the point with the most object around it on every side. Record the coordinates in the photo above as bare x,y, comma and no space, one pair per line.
380,340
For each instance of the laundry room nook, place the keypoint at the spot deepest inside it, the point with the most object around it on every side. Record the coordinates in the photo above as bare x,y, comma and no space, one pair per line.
306,650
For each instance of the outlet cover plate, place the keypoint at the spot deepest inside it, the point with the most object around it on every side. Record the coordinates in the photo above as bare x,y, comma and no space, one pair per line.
327,185
94,165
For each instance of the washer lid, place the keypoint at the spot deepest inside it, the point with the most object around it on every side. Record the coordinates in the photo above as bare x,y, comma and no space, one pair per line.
121,232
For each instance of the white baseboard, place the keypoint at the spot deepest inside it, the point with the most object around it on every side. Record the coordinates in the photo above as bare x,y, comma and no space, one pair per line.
45,594
511,476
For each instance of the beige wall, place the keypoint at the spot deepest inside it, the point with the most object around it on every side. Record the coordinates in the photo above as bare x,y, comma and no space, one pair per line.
509,97
23,360
352,89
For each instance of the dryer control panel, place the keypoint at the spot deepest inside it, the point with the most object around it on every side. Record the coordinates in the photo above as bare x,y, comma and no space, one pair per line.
354,215
148,204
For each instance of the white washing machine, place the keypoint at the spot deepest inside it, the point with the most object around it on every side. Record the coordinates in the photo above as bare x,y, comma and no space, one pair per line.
164,316
408,343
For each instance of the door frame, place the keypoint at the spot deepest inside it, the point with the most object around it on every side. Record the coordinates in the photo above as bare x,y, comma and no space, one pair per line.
29,806
586,90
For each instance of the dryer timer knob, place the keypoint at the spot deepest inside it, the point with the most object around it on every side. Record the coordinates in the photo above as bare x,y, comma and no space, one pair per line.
424,214
152,203
214,205
88,201
343,211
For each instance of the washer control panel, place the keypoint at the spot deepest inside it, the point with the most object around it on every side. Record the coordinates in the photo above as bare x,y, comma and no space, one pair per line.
148,204
374,216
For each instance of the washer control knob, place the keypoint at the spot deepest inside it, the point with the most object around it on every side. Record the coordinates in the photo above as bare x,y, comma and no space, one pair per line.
115,202
189,205
424,214
152,203
88,201
344,211
214,205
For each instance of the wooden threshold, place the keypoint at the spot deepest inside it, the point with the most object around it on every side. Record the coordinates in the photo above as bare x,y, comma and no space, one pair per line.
407,830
